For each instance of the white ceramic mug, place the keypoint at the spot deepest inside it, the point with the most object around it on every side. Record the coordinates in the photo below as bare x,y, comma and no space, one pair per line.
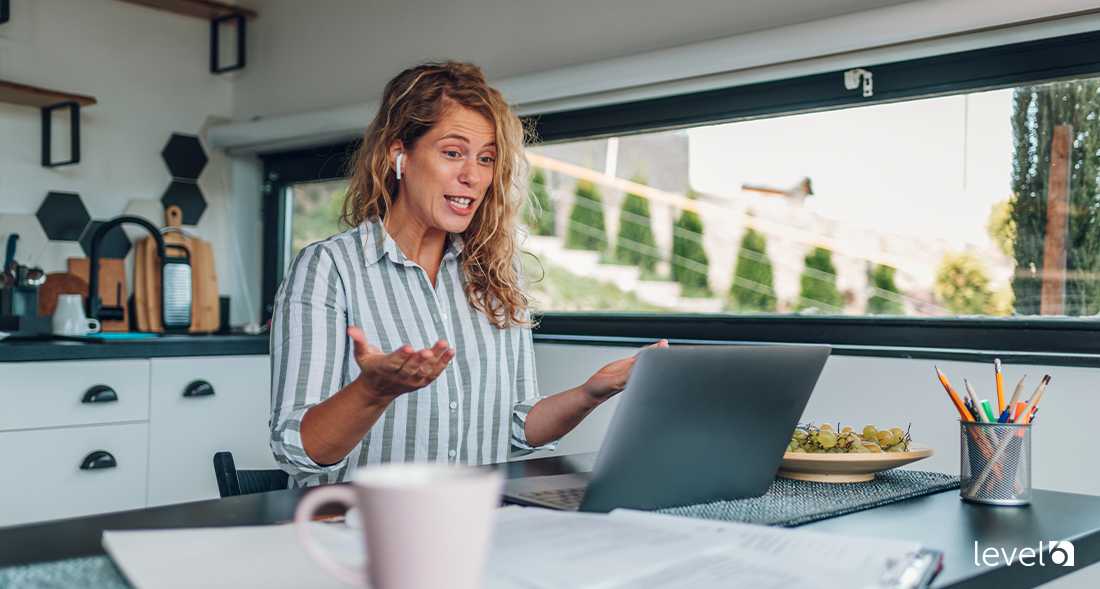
425,525
69,317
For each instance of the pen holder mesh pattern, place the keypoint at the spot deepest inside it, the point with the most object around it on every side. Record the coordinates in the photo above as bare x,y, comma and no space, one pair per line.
995,463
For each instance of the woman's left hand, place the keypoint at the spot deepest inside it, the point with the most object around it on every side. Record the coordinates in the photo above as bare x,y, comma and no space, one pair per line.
611,379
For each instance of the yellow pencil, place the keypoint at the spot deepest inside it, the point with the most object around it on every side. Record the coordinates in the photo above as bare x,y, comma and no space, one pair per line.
954,396
1000,386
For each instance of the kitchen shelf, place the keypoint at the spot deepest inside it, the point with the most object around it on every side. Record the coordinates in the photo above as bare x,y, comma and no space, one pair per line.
40,97
206,9
48,101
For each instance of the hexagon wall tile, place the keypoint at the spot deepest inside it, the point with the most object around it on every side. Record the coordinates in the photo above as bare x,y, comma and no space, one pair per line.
115,244
189,198
150,210
184,156
63,216
32,238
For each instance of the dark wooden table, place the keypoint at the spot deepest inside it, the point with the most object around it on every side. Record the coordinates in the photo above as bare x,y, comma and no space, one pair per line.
940,521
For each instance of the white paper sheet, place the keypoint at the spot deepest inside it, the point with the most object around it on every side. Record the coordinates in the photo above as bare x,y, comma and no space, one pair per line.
532,549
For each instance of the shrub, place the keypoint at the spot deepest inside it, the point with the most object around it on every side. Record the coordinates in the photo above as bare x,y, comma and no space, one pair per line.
882,278
586,226
819,281
752,278
635,245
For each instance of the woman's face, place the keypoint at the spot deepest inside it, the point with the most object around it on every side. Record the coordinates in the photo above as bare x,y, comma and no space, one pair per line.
445,176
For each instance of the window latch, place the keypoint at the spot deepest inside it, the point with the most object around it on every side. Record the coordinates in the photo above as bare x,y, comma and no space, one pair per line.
852,79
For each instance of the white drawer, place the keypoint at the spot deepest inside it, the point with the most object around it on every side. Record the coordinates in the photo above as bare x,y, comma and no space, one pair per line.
43,479
187,431
50,394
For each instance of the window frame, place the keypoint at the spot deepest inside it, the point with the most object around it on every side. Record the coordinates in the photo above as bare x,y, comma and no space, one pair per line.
1052,341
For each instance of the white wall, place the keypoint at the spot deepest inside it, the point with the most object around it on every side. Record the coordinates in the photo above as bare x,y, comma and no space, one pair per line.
148,70
890,392
324,53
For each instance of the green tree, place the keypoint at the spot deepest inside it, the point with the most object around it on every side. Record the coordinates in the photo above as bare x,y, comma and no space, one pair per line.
635,245
882,278
752,278
963,283
586,226
689,259
819,282
1001,228
542,221
1036,111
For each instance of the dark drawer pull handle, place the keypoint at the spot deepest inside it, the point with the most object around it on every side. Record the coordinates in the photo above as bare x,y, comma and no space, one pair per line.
100,394
98,459
199,388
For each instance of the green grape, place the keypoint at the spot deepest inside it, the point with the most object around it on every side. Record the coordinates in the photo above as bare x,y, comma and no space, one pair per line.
799,451
885,437
846,430
896,448
825,427
860,450
826,438
898,433
872,447
870,432
801,434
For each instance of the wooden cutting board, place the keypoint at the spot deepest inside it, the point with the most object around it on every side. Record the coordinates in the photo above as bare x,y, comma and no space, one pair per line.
205,306
57,284
112,287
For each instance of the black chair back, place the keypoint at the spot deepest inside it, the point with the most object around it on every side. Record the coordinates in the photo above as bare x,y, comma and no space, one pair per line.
233,482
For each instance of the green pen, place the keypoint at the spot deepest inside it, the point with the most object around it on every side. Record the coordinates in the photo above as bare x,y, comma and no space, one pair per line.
988,411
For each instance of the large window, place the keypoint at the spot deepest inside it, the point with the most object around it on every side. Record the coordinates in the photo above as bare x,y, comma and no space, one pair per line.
932,207
955,206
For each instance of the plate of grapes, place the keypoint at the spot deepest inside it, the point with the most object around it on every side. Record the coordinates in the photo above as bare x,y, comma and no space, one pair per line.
823,454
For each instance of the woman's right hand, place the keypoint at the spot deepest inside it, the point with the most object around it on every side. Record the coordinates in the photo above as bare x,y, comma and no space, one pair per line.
388,376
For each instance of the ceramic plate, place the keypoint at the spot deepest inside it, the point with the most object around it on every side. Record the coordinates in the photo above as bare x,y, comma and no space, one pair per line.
847,468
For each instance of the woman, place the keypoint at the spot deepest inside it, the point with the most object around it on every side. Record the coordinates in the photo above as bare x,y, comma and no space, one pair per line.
408,337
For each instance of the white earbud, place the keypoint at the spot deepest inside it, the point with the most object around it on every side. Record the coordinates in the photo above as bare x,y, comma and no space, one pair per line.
399,156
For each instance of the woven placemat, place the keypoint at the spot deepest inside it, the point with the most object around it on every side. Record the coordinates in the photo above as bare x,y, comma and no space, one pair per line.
792,503
86,571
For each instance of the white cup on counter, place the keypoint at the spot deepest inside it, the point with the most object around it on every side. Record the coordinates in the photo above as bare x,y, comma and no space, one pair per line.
69,317
425,525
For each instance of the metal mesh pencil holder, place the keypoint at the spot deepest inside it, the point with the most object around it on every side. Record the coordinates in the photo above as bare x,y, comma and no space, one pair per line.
995,463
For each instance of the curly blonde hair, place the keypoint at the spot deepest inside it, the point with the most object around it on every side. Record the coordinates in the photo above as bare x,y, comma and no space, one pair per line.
414,102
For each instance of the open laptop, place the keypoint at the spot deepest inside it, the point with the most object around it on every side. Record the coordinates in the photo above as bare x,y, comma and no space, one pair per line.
695,424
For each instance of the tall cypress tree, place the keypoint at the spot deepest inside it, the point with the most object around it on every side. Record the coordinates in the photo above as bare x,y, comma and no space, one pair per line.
819,281
543,222
1036,111
689,259
635,245
752,278
882,278
586,226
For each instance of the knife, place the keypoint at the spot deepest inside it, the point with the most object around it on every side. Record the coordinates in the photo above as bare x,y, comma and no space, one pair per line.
9,254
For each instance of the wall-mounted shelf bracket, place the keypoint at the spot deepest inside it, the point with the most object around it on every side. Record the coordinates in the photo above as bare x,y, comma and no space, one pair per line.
49,101
215,29
74,134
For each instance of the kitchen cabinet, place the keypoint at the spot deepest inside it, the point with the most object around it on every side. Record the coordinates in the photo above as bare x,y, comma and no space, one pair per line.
56,415
227,410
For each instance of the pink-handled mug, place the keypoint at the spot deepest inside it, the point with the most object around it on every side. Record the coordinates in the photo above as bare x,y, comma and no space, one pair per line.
425,525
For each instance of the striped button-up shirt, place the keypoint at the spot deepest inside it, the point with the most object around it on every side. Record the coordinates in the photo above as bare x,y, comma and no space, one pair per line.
474,413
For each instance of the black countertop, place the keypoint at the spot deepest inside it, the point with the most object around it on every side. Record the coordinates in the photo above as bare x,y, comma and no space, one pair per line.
939,521
165,346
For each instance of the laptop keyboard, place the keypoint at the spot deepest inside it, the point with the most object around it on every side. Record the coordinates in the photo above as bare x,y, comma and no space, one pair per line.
559,498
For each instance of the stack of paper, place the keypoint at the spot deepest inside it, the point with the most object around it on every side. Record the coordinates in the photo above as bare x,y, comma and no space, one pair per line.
535,549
